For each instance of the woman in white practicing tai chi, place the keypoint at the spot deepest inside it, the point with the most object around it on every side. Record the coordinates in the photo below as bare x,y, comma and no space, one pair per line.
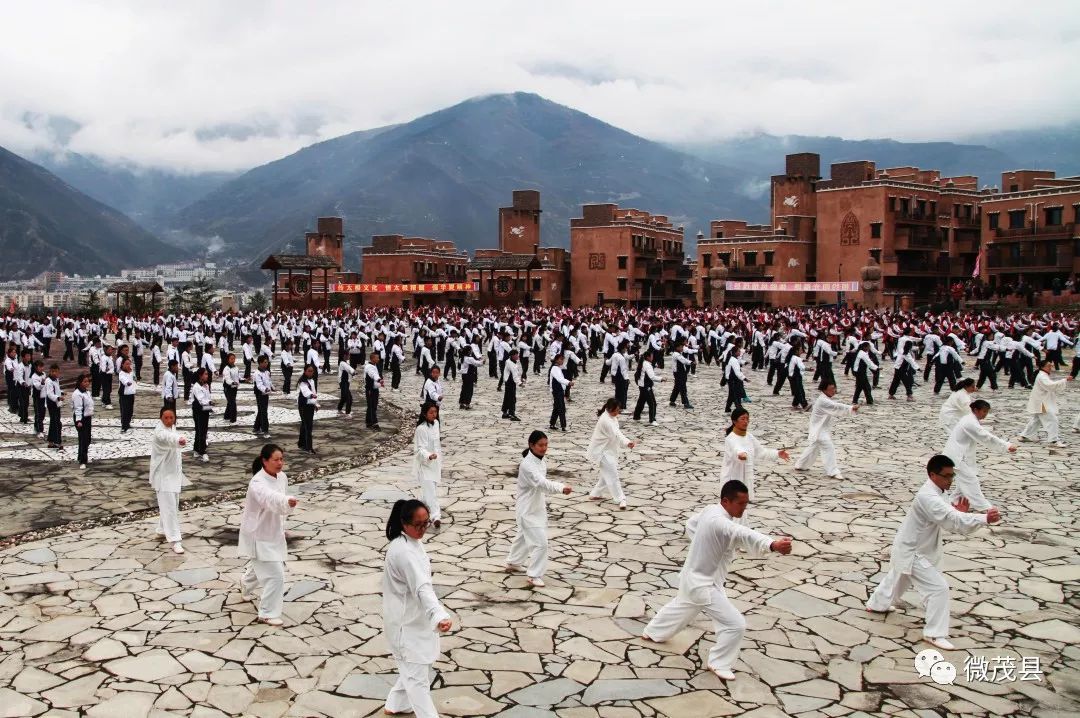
167,476
427,459
604,447
742,451
531,542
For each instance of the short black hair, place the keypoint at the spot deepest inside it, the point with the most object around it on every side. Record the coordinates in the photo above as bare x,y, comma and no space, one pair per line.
980,404
938,462
732,489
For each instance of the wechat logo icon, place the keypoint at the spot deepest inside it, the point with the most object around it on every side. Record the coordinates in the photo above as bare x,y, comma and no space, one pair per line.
930,663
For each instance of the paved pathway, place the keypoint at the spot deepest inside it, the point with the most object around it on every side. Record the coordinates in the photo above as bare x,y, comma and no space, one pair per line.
106,622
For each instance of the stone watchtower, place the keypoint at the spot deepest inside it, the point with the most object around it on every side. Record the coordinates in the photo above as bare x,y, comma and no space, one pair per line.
328,240
519,224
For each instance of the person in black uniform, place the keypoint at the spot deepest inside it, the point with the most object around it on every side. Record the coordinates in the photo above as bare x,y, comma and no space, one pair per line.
372,382
307,401
512,375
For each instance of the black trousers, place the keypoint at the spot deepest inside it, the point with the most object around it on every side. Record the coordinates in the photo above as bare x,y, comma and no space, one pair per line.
679,389
286,378
926,369
69,350
1075,365
622,385
450,370
606,368
900,376
307,425
95,382
39,411
230,402
395,374
189,379
735,392
54,422
24,403
84,438
798,395
1053,355
138,361
645,396
558,406
862,386
757,358
1017,372
524,365
106,389
987,372
355,360
371,414
127,410
509,404
247,371
467,381
202,426
169,404
345,393
12,396
781,379
157,372
262,418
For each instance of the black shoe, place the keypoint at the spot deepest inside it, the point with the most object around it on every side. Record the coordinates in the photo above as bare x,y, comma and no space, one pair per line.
552,427
376,427
514,418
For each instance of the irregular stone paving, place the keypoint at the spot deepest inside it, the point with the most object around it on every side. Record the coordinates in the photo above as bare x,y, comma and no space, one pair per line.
43,487
107,622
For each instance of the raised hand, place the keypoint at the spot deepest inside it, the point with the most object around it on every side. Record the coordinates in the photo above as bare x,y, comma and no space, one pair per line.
292,502
783,454
962,505
992,515
444,626
781,545
566,490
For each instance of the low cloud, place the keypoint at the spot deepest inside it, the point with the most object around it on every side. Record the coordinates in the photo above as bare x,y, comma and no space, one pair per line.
227,86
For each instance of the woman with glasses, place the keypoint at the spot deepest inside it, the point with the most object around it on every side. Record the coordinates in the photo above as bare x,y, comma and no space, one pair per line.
412,614
262,534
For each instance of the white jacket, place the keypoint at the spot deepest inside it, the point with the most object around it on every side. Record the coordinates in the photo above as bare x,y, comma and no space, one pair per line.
166,471
425,443
411,611
823,414
714,538
262,525
1044,392
955,408
965,435
607,439
743,469
532,484
920,533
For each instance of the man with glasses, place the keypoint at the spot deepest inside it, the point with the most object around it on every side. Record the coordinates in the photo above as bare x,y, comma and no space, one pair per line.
917,550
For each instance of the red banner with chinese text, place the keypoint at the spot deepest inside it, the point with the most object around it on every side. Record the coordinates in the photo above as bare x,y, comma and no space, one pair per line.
792,286
418,288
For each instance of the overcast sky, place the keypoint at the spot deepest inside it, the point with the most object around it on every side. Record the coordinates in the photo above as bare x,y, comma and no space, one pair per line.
229,85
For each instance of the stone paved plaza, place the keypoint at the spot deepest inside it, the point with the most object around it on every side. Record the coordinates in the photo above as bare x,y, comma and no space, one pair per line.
108,622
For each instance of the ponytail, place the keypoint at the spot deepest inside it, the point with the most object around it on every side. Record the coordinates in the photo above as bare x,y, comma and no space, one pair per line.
610,404
534,438
637,370
401,514
264,455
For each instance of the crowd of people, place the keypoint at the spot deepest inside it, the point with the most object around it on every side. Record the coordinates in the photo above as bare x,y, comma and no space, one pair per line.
184,356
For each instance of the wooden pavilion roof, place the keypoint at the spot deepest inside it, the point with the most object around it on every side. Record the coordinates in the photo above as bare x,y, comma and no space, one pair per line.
298,261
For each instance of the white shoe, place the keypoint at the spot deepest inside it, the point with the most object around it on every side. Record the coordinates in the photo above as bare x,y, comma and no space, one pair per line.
840,477
536,582
272,621
1060,444
177,548
41,435
82,466
943,643
622,506
205,458
514,568
722,674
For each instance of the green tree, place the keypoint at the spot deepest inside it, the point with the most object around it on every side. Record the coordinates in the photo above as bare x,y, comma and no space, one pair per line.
200,295
91,304
178,300
258,302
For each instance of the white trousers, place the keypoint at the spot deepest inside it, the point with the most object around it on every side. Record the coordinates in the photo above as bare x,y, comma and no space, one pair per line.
270,575
429,495
530,541
966,483
932,587
1049,424
608,481
168,503
728,623
1076,424
412,692
825,447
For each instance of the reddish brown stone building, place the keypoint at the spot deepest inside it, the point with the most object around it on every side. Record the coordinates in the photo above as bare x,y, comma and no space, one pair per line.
520,271
627,256
303,281
408,263
1030,231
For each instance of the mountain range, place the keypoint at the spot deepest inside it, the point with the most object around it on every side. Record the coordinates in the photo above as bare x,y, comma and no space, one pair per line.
46,225
441,175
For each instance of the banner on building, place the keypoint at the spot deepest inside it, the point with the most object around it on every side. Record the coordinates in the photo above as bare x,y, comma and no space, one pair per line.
792,286
417,288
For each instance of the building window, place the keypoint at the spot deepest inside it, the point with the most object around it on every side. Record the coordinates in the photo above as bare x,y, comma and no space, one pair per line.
1076,213
875,230
622,262
1054,215
933,209
769,258
749,259
892,204
1014,188
719,234
993,220
876,254
920,208
622,284
724,257
1017,218
706,260
536,285
905,206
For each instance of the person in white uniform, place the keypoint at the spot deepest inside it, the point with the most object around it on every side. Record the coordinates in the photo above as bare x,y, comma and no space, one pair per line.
960,447
412,614
823,414
603,450
742,451
917,550
427,459
262,534
715,535
531,542
958,405
167,476
1042,405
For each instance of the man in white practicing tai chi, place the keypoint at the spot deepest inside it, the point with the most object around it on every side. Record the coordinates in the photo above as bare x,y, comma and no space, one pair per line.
917,553
960,447
714,538
824,413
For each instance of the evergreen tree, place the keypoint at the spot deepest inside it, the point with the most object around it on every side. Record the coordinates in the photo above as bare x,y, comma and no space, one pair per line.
200,295
178,300
91,304
258,302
